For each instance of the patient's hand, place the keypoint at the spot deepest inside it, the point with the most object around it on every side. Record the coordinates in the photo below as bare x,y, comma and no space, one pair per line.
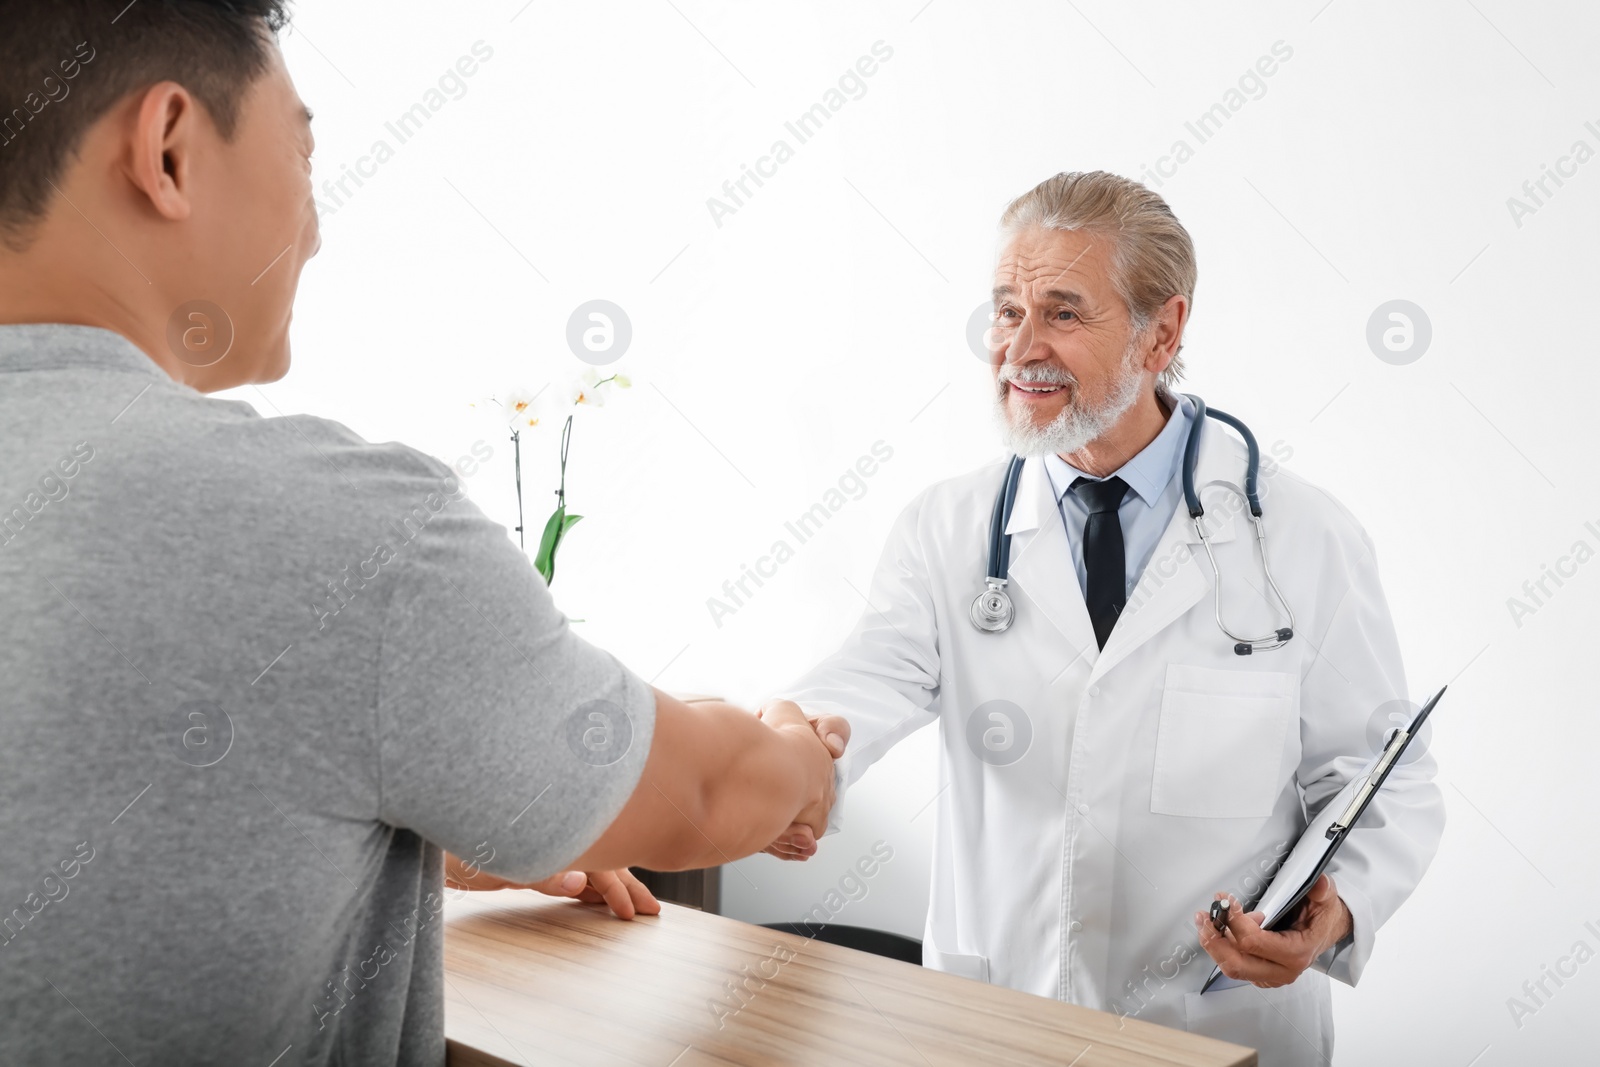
619,889
799,841
795,843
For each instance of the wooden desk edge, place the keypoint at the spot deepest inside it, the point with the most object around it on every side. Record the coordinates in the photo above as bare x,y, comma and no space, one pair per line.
509,903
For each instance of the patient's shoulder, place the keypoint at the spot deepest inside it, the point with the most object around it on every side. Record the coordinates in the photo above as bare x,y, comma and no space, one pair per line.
288,475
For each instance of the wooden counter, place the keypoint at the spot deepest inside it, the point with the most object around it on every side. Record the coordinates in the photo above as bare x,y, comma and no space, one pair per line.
531,979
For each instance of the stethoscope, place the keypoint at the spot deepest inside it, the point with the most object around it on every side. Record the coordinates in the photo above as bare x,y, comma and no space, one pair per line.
993,611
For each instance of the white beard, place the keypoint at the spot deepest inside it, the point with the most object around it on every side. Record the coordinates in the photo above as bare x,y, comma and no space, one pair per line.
1078,423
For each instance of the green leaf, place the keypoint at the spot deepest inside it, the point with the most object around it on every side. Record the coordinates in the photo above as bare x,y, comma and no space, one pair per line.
554,530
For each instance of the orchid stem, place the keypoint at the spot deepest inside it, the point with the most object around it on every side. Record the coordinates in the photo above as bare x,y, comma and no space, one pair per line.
516,446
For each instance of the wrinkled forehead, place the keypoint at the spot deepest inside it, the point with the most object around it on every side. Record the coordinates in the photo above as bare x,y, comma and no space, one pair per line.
1035,262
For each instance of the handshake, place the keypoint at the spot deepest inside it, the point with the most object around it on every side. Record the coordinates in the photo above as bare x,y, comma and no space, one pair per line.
799,840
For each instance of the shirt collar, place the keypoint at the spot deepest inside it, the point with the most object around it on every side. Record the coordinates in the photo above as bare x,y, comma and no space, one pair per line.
1152,469
57,346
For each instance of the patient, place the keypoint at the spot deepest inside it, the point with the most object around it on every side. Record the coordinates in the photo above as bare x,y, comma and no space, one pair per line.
227,806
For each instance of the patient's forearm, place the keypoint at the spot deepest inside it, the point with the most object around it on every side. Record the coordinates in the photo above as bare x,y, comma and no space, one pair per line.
753,782
719,784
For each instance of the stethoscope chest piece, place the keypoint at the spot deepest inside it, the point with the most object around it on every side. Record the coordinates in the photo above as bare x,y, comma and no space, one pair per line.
992,610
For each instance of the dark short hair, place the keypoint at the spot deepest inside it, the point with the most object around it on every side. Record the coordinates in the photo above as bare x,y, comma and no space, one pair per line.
65,63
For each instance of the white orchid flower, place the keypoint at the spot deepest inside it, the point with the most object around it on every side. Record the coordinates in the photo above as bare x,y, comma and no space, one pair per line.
523,408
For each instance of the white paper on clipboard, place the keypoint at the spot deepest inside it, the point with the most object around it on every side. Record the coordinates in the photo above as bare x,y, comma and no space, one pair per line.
1302,860
1306,860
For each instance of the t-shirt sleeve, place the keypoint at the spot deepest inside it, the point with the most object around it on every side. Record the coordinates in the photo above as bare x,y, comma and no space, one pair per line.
501,735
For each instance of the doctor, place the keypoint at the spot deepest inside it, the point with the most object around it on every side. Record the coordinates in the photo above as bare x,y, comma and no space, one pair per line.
1111,761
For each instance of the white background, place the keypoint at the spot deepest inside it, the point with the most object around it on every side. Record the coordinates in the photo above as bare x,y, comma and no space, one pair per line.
829,312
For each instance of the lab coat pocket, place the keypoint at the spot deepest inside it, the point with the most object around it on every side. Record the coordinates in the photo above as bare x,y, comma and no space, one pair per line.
974,967
1288,1025
1220,743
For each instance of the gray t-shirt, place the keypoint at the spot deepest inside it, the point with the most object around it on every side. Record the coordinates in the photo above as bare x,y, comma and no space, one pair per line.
254,673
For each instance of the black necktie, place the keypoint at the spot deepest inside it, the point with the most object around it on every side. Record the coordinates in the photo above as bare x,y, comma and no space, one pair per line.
1103,555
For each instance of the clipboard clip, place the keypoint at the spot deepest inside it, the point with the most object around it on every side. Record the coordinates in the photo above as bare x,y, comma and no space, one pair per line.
1380,768
1368,787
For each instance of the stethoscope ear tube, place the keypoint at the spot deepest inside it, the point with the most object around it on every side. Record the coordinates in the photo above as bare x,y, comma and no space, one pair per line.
1252,465
1191,456
999,543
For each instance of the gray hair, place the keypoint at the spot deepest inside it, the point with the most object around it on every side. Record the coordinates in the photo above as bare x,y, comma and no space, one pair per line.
1152,257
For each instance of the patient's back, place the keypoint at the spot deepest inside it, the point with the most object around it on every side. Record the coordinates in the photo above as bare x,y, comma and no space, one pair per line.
251,667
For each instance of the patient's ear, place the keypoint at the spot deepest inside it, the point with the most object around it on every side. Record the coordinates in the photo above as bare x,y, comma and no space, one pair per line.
160,159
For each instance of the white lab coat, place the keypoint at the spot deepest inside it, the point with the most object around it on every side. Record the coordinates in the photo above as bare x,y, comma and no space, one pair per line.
1160,769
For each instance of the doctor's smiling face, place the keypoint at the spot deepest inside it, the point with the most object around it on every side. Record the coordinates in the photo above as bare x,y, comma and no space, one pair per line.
1073,375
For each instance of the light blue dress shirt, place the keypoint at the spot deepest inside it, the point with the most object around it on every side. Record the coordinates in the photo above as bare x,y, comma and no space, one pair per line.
1155,488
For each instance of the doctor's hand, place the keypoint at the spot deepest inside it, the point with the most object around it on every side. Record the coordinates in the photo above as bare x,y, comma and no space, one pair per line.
1269,958
619,890
799,841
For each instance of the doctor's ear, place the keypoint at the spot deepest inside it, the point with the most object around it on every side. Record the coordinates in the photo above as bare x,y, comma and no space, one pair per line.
1163,337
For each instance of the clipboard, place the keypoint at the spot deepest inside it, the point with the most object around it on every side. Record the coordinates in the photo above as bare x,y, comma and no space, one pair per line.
1322,838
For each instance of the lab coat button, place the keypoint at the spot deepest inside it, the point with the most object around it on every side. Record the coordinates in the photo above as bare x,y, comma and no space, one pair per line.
1075,926
1094,690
